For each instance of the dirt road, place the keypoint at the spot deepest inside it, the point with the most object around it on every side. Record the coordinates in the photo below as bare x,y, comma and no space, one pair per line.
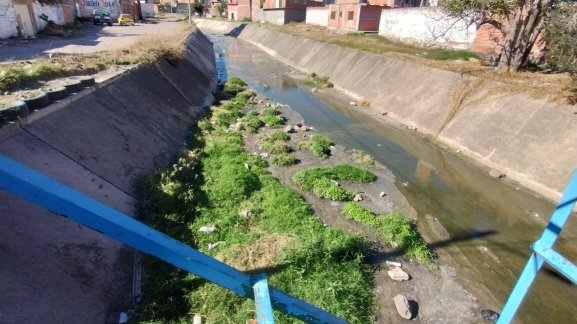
95,39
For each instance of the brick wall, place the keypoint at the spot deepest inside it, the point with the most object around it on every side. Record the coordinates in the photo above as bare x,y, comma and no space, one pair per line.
7,19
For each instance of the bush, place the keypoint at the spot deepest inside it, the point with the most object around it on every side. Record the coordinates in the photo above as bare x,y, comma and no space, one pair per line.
341,172
363,158
399,229
277,136
233,86
270,112
320,146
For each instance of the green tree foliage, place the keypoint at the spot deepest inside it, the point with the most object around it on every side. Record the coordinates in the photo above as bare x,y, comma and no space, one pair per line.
561,35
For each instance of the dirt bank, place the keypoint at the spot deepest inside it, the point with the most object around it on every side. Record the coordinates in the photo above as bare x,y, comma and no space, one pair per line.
526,138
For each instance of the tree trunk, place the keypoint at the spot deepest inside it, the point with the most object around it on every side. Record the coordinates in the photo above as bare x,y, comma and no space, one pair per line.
526,23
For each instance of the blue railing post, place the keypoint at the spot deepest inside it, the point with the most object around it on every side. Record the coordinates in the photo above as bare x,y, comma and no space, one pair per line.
41,190
262,300
542,251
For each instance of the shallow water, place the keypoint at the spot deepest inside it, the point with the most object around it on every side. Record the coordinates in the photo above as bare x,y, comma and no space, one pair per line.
491,224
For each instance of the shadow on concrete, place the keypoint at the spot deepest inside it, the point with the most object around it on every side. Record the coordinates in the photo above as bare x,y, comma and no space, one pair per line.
236,31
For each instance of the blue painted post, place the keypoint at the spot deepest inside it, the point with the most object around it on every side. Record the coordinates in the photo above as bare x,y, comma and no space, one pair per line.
38,189
544,245
264,313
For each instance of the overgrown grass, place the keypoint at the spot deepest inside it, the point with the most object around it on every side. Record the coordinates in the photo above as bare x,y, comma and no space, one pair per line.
394,228
233,86
251,122
271,118
323,180
319,145
315,80
284,159
212,184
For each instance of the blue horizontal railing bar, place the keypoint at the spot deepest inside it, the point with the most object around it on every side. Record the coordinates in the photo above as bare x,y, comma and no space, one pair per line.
41,190
557,261
542,251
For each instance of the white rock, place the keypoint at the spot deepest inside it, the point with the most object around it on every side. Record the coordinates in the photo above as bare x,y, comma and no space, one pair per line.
403,307
207,229
245,213
264,155
213,245
196,319
398,274
496,174
382,194
357,198
352,103
336,183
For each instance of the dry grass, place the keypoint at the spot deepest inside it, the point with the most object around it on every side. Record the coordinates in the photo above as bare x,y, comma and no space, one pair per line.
149,49
557,87
261,254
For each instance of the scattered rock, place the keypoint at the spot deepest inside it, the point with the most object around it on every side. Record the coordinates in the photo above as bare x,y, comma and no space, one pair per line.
288,129
385,113
314,90
382,194
489,315
207,229
245,213
398,274
358,198
352,103
264,155
405,184
332,148
392,263
336,183
403,307
496,174
213,245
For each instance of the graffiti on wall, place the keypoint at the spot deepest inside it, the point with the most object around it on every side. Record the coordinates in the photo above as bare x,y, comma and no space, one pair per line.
90,5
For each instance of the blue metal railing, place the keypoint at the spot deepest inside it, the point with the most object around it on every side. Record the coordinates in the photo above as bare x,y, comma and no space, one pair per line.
543,252
41,190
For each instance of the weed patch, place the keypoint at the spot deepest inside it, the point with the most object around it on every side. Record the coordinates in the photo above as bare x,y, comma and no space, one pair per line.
319,146
323,181
393,228
218,183
272,121
284,159
363,158
251,122
315,80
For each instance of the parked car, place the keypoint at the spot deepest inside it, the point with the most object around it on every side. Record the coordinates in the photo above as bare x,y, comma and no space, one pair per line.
102,17
125,19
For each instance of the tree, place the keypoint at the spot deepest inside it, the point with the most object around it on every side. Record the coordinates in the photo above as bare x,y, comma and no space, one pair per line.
520,21
561,36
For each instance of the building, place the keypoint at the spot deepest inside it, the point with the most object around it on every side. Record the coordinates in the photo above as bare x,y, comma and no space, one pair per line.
21,18
357,15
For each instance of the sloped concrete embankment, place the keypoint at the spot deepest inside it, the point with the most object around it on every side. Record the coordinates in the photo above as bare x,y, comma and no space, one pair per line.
99,142
529,139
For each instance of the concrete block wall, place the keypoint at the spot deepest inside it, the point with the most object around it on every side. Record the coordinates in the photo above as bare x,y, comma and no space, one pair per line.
8,22
426,26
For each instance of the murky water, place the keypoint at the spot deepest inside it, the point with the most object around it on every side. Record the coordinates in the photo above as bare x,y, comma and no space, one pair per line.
491,224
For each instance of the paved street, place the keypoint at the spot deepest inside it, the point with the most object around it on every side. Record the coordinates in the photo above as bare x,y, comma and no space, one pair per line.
95,39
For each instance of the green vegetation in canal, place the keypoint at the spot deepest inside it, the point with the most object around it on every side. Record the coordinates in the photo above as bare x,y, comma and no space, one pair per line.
271,118
258,224
251,122
323,180
392,227
284,159
314,80
362,157
319,145
276,144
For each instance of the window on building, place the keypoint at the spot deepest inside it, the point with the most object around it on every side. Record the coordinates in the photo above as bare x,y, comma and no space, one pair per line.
333,15
351,15
340,14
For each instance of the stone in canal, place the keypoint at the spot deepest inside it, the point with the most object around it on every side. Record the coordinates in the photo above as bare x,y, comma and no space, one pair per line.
489,315
398,274
403,306
357,198
496,174
288,129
